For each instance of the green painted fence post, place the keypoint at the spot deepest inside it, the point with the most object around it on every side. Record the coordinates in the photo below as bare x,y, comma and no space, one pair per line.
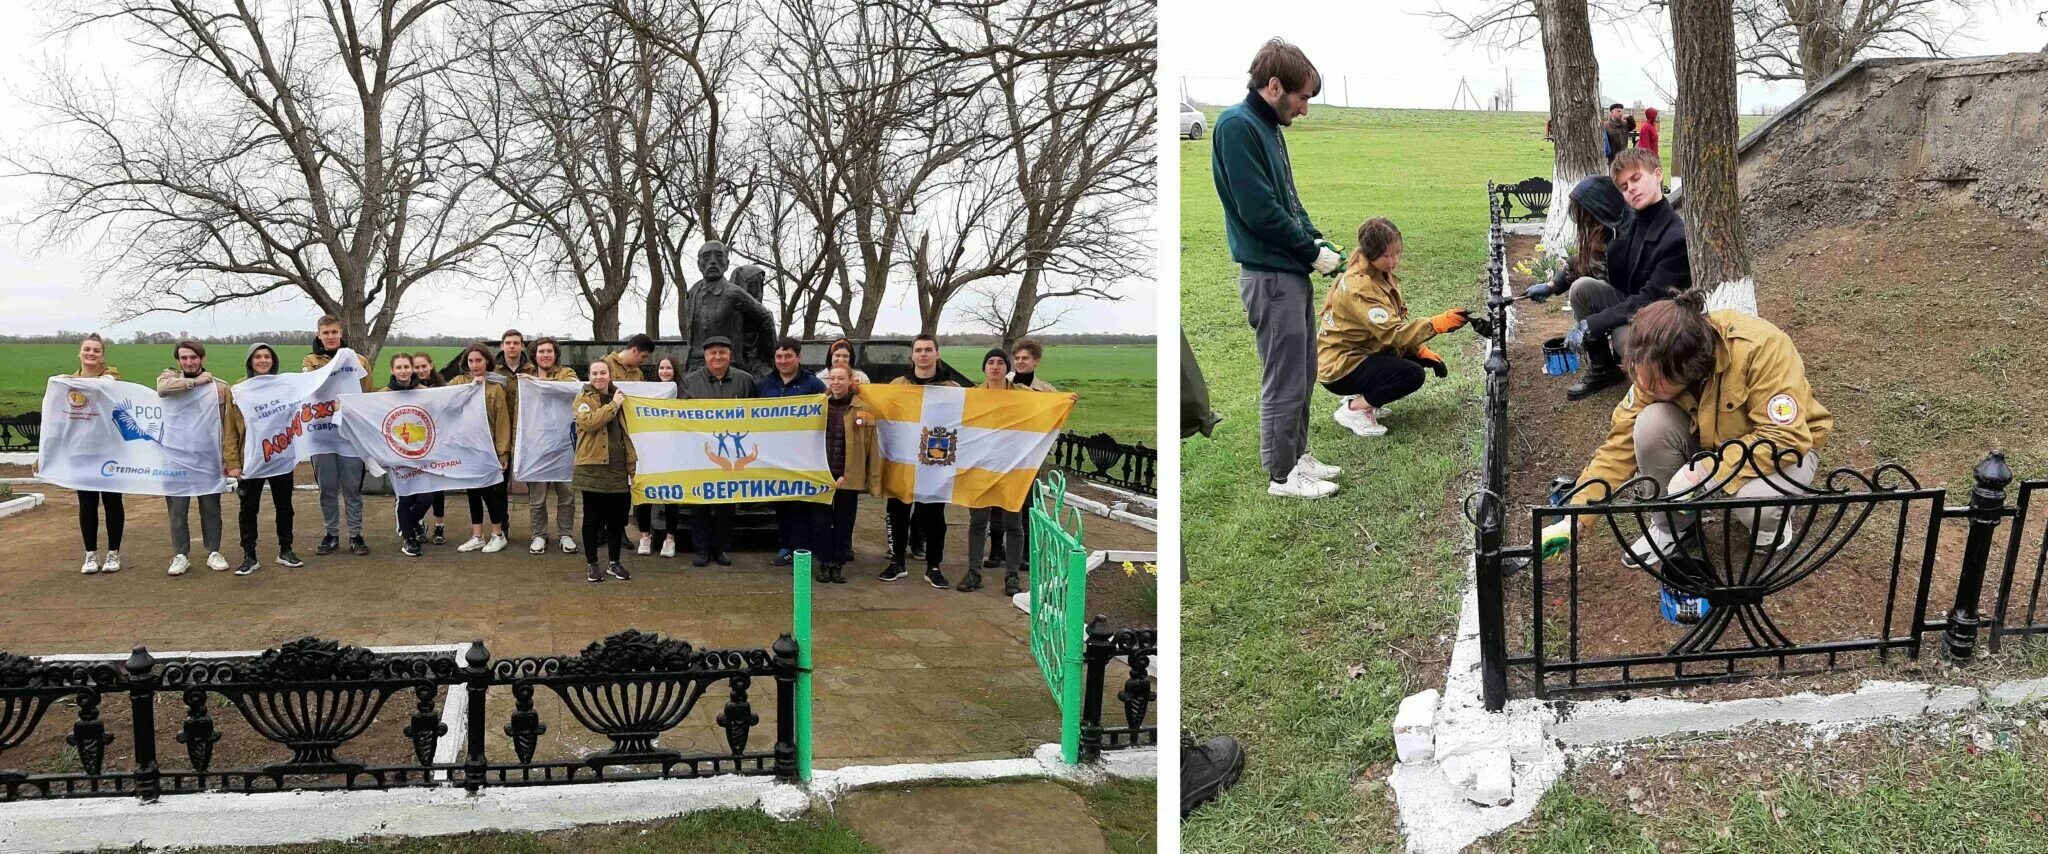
1073,661
801,614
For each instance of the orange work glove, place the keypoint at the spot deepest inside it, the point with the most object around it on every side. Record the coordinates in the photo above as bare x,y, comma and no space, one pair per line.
1435,362
1450,321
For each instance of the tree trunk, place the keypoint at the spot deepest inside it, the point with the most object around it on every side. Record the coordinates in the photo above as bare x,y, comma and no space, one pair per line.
1573,75
1703,32
604,322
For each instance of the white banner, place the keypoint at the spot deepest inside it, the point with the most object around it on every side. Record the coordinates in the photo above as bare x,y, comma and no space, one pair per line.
290,417
544,451
105,435
428,439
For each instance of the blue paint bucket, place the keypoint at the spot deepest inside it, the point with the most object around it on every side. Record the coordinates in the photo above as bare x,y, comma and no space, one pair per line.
1558,359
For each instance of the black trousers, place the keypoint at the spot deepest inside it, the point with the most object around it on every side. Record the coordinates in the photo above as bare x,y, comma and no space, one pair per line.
926,519
250,492
89,504
412,514
671,522
493,498
1381,379
440,505
711,528
839,518
604,518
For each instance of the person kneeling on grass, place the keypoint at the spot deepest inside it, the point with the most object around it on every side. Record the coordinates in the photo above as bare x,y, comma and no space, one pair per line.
1367,350
1700,381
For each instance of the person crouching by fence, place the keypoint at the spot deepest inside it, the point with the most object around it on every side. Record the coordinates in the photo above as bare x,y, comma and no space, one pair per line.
426,376
92,362
604,462
190,374
1647,262
995,368
1367,350
261,361
851,464
1700,381
547,365
477,359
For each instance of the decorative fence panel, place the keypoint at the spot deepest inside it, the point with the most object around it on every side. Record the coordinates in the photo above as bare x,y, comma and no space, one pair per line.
1852,569
1103,459
1059,601
21,432
321,701
1138,646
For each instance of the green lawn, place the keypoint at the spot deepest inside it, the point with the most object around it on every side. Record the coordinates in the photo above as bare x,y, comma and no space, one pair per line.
1115,381
1303,621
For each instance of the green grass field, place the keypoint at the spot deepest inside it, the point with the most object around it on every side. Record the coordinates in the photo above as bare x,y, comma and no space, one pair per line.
1305,623
1116,384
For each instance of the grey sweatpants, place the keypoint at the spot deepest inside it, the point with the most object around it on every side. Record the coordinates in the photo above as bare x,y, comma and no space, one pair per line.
341,477
1590,296
181,523
1281,310
1665,440
537,507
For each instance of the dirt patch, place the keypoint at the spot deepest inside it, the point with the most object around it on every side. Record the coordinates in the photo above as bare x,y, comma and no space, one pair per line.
1036,816
1127,595
1926,360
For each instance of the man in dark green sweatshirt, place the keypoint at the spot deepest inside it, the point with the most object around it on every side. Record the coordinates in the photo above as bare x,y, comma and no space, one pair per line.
1276,247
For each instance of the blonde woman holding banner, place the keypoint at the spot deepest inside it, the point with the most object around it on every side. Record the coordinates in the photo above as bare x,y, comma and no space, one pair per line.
92,362
604,463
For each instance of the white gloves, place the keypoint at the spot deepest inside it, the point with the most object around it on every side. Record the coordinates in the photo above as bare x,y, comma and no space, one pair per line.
1327,261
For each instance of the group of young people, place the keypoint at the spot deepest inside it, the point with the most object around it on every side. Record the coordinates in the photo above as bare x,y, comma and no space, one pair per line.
1697,378
604,461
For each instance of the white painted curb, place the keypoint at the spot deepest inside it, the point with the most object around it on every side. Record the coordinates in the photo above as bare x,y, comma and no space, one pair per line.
21,504
1113,512
18,458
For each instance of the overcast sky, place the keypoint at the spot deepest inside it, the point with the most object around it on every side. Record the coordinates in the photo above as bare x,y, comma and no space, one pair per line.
45,289
1395,56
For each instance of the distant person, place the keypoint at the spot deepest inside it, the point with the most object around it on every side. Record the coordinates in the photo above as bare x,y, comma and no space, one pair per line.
1616,131
1368,352
423,372
841,353
604,464
1699,381
1646,263
711,525
928,518
1276,247
340,476
547,365
625,364
1597,211
667,369
1646,137
261,361
92,363
488,501
796,522
190,374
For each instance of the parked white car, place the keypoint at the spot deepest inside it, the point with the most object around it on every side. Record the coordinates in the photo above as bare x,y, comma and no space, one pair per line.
1191,121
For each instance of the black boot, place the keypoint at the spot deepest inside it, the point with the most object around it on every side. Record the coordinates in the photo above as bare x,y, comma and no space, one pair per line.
1011,585
1207,769
969,582
1597,376
838,573
821,573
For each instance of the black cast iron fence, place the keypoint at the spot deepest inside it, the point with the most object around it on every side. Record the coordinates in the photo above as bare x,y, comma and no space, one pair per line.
1532,193
1103,459
315,698
1789,576
21,432
1137,646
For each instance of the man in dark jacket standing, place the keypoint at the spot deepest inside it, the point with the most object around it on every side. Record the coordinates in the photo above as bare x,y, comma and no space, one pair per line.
796,522
1276,246
716,379
1645,263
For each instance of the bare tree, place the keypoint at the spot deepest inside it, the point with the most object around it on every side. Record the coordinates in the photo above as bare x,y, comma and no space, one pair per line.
1808,40
1704,34
296,150
968,235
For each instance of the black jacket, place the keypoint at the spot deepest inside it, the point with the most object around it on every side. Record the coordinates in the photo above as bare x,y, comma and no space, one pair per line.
1646,262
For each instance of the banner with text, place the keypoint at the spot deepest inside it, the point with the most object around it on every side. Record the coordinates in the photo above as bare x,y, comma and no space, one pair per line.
290,417
729,451
544,449
105,435
430,439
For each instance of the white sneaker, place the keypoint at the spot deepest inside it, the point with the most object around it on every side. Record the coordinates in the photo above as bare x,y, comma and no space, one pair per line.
470,545
646,544
1299,485
539,545
217,562
92,564
179,564
1316,468
1645,552
668,549
568,545
497,544
112,563
1359,421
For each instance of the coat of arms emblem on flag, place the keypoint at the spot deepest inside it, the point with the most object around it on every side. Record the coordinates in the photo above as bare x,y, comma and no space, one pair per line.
939,446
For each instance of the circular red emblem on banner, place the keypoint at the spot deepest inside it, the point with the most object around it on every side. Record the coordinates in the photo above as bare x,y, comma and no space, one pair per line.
409,430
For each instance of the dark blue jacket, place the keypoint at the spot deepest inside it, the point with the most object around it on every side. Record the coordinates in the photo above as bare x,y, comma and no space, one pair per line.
773,386
1263,220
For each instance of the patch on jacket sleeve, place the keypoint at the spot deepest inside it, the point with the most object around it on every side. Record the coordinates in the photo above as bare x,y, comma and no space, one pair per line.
1329,321
1379,314
583,408
1782,409
1628,401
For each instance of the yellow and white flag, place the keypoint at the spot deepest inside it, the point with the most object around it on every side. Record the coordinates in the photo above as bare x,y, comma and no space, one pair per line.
973,447
729,451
